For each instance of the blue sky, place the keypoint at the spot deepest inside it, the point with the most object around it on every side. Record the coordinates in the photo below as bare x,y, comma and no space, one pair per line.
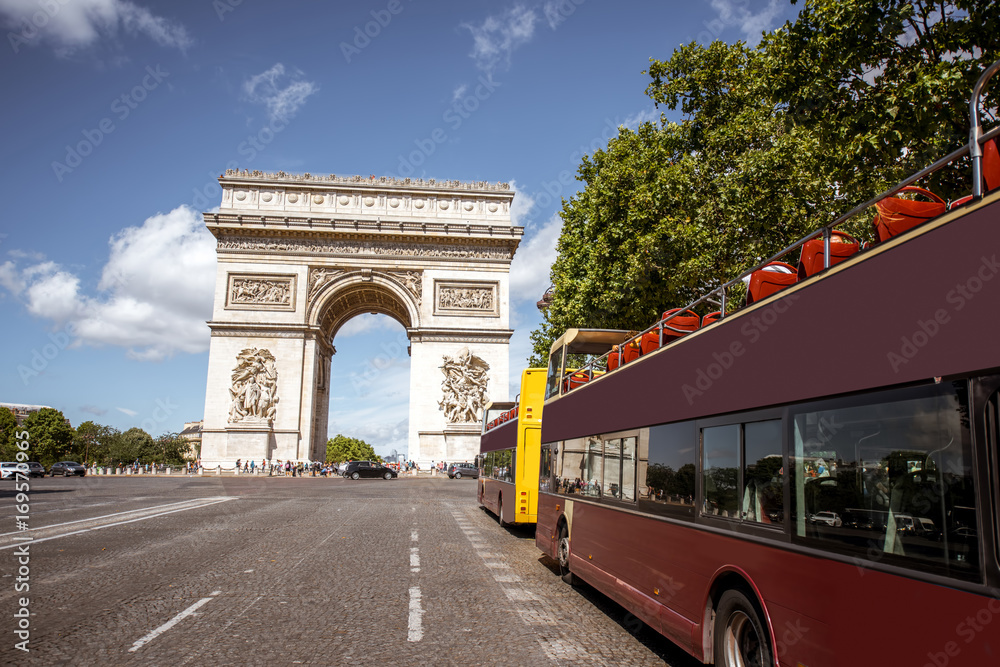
120,115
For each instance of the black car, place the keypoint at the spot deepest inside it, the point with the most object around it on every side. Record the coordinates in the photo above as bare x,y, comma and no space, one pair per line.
35,469
460,470
67,468
359,469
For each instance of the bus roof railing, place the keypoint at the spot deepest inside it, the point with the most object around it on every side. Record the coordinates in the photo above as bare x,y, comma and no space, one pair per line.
718,295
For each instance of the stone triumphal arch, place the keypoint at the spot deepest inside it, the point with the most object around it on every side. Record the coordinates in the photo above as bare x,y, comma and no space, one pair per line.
300,255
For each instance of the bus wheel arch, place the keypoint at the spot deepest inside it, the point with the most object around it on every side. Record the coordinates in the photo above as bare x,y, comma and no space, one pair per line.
563,551
734,597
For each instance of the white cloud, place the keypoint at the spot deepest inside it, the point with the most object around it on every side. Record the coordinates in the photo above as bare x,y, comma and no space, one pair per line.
367,323
156,289
69,25
281,102
459,92
638,118
529,272
130,413
737,13
496,38
10,278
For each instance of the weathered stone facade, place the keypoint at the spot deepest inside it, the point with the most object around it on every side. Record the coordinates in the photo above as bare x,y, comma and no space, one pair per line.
300,255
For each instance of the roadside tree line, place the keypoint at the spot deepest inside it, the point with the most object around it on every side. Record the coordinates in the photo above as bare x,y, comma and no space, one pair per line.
52,440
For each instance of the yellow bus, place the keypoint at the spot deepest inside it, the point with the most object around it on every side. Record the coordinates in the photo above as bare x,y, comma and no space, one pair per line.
508,452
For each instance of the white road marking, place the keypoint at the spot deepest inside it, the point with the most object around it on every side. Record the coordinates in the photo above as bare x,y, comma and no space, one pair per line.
530,607
172,622
107,516
413,535
414,557
109,525
415,628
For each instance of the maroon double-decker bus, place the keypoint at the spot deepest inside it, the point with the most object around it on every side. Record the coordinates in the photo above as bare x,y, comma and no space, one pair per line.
812,479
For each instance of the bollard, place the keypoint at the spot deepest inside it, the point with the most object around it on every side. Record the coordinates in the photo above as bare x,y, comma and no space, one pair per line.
218,470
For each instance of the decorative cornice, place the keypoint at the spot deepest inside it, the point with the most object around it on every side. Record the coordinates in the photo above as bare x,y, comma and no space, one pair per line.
275,224
380,182
460,335
462,249
239,329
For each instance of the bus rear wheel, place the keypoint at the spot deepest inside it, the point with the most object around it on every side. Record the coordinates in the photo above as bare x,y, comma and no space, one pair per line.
500,511
740,637
562,552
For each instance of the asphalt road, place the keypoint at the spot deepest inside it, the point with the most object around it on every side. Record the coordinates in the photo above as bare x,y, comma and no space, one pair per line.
286,571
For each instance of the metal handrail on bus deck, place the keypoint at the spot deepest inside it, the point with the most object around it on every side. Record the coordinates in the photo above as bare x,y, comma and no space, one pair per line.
976,130
974,148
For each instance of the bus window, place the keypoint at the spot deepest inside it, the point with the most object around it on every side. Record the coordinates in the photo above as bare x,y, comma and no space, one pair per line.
720,470
628,469
569,466
619,468
667,474
593,467
890,475
554,373
763,492
545,469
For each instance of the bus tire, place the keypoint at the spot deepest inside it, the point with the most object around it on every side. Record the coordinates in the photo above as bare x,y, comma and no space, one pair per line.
500,511
562,552
740,637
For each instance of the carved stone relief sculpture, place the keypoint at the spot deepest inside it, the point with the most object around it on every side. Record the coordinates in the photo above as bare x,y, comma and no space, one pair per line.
466,298
413,280
276,291
362,248
465,380
253,395
318,277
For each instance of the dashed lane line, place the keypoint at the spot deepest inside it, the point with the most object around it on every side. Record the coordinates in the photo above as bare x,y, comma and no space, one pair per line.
139,643
526,604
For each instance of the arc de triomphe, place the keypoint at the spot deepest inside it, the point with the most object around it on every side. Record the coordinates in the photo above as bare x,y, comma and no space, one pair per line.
300,255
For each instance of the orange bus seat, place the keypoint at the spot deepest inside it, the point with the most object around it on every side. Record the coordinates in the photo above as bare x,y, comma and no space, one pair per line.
687,323
631,351
711,317
897,215
613,361
991,165
774,277
960,202
578,379
842,246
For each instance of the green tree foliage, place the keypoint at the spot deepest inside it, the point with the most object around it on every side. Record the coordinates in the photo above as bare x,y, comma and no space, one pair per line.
50,436
342,448
8,441
107,446
773,143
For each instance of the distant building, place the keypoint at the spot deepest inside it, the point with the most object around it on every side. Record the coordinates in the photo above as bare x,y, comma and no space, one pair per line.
192,433
22,411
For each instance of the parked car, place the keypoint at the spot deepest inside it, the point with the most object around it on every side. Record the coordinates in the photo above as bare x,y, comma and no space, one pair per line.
829,518
359,469
460,470
35,469
67,468
8,470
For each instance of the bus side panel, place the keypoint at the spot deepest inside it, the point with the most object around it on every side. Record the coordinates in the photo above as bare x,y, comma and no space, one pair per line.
528,474
546,536
821,612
